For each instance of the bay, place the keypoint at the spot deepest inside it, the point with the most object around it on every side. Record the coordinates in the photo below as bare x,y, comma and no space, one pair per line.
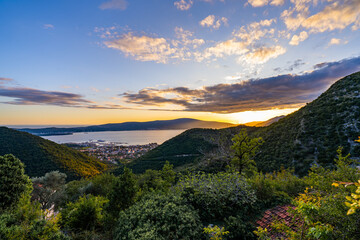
120,137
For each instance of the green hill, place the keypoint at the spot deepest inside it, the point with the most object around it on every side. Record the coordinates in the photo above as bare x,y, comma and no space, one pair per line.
187,148
41,156
308,136
313,133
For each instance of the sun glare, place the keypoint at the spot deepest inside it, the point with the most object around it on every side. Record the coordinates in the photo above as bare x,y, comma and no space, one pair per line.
251,116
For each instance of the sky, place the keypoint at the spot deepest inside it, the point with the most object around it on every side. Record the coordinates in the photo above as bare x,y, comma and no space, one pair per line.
106,61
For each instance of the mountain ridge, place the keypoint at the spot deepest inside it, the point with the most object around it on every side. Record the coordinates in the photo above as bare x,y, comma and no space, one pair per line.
174,124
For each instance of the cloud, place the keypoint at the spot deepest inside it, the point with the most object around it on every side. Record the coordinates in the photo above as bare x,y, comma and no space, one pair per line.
143,48
337,15
258,3
185,46
30,96
229,47
244,44
337,41
185,38
261,3
183,5
211,22
296,39
263,54
296,64
157,49
255,31
282,91
277,2
5,80
48,26
114,4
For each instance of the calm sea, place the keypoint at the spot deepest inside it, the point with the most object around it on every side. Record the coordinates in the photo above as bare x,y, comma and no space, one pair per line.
120,137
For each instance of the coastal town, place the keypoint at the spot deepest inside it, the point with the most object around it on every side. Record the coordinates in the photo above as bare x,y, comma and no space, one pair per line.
113,152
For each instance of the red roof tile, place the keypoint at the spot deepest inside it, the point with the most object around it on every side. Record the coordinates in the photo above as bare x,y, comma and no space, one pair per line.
279,213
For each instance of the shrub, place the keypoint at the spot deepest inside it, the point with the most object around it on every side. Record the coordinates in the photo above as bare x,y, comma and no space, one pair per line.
159,217
85,214
217,195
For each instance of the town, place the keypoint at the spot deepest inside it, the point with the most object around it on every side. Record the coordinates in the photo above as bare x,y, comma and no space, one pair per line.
113,152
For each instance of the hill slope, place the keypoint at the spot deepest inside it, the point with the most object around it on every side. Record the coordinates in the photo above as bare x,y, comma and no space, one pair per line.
181,123
313,133
41,156
310,135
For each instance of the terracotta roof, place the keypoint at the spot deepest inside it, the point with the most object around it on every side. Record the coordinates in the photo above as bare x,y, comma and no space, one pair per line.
278,213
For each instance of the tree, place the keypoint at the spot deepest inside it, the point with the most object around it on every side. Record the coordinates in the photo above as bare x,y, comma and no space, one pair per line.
244,150
153,180
13,181
123,193
85,214
49,189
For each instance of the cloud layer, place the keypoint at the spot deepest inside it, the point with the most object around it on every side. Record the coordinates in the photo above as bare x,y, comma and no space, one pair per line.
282,91
30,96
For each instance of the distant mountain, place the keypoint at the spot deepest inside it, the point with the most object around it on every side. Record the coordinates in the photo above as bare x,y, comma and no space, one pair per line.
308,136
181,123
264,123
41,156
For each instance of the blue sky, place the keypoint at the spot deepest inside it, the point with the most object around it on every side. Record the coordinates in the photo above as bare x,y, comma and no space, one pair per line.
87,61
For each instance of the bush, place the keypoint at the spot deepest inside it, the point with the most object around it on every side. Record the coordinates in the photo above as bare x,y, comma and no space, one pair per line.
217,196
276,188
27,221
159,217
85,214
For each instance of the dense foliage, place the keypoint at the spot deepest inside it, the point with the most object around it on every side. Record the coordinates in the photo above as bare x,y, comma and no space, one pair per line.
217,195
13,182
159,217
42,156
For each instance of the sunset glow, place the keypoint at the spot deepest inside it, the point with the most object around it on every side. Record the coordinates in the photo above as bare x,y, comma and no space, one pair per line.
121,60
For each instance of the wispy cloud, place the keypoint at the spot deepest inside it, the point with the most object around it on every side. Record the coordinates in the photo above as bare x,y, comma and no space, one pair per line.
261,3
114,4
246,44
337,15
214,22
183,5
48,26
293,65
337,41
143,48
157,49
263,54
296,39
31,96
5,80
282,91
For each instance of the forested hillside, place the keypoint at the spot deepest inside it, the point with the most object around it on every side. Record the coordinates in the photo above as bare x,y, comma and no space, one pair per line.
313,133
41,156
